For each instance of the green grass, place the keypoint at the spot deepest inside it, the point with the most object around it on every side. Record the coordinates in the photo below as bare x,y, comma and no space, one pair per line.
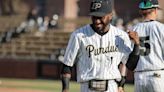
129,88
46,85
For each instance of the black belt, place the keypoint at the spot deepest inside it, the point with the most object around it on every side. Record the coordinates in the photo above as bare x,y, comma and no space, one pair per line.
150,70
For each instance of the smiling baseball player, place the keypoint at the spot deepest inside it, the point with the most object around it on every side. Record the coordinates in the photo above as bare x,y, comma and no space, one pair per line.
97,49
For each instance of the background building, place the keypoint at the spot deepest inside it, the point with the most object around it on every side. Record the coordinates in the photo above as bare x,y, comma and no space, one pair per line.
126,9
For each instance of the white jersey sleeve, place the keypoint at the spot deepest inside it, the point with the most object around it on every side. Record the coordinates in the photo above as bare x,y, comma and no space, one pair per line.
126,49
71,50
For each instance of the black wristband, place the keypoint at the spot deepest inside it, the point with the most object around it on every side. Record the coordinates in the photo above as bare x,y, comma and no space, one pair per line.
65,82
66,69
122,82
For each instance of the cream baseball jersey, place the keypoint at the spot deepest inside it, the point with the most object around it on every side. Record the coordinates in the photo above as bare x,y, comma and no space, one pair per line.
151,35
96,56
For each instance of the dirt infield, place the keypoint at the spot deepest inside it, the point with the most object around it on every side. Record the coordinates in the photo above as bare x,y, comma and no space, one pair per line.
19,90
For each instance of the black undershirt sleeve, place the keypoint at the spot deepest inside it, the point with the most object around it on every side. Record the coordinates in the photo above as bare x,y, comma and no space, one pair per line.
133,58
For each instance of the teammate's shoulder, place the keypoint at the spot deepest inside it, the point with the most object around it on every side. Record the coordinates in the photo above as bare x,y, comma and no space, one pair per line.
156,24
150,23
118,30
160,27
139,24
159,23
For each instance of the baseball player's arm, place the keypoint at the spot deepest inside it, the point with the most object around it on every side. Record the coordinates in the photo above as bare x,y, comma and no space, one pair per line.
123,71
65,77
134,55
133,58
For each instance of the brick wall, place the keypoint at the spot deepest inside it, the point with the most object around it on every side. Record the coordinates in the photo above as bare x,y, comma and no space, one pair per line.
126,9
32,69
11,68
18,68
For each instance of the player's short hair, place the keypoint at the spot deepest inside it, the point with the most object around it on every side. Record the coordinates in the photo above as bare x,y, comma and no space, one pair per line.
146,12
148,4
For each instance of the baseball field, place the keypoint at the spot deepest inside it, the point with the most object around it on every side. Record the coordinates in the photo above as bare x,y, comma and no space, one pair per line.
40,85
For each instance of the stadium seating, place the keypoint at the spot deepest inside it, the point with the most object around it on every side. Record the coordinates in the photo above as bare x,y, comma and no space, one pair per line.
32,46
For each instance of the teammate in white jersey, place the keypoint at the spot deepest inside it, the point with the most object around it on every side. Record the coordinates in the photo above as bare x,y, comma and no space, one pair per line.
97,49
149,73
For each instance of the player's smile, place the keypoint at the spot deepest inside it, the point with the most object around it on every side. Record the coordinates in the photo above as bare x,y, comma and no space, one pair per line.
97,22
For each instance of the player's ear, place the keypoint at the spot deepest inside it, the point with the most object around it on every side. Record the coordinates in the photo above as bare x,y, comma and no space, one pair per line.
111,14
156,10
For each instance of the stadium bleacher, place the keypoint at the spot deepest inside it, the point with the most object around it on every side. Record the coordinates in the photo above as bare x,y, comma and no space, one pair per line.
31,46
21,40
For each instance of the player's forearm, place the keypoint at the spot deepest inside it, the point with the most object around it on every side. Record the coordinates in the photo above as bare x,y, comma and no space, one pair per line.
136,50
133,58
65,77
65,82
123,70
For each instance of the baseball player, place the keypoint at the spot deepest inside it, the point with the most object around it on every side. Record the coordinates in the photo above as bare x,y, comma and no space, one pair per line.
97,49
149,73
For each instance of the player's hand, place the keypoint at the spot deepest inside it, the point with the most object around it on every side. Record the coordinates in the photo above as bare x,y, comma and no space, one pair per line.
121,89
134,36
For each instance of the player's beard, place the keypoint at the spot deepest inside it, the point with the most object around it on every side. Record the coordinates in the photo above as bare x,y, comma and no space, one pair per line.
101,28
